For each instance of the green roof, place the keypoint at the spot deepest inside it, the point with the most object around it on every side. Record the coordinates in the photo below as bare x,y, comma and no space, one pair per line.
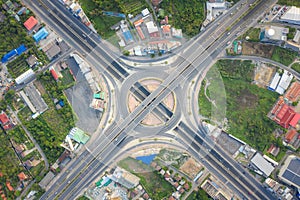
79,136
100,95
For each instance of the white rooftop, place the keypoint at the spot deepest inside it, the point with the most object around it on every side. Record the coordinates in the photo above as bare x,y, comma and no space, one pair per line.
262,164
152,28
275,81
297,37
293,14
145,12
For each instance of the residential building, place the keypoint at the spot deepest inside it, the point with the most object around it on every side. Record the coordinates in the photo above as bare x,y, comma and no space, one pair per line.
177,33
293,92
261,164
54,74
125,178
22,176
4,120
53,51
290,171
31,61
41,34
292,139
145,12
166,30
30,23
291,16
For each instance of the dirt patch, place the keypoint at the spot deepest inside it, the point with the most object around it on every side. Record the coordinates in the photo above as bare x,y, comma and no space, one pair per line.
40,87
191,168
257,49
247,100
263,75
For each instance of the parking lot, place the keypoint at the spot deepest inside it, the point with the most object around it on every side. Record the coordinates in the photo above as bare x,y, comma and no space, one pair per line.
80,96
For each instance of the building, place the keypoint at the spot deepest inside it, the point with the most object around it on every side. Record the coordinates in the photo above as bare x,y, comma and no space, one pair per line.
293,92
152,29
25,77
166,30
46,180
125,178
22,176
41,34
145,12
214,8
35,98
53,51
296,38
15,52
54,74
4,120
262,164
31,61
28,102
30,23
213,189
177,33
274,34
284,82
284,115
291,139
78,135
290,171
291,16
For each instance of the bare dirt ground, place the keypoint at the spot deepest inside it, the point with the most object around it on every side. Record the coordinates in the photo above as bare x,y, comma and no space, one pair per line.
257,49
263,75
191,168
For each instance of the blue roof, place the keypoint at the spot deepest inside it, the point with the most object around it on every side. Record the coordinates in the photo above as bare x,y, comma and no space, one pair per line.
128,36
61,103
41,34
14,52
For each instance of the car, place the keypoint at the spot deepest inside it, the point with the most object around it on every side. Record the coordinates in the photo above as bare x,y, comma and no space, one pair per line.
228,33
228,43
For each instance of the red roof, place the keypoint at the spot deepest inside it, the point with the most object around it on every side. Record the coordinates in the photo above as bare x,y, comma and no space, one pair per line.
3,118
22,176
294,92
295,120
284,115
30,23
9,187
290,135
54,74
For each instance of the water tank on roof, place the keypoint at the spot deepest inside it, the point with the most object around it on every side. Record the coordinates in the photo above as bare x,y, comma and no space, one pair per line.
271,32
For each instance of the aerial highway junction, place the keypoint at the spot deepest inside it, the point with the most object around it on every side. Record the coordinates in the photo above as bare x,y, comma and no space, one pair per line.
193,60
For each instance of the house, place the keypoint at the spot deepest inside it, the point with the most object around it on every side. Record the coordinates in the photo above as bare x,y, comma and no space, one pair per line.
22,176
292,139
9,187
53,51
166,30
146,196
30,23
145,12
293,92
152,29
31,61
54,74
4,120
273,150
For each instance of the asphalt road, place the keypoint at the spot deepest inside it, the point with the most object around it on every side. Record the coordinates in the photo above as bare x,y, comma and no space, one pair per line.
201,51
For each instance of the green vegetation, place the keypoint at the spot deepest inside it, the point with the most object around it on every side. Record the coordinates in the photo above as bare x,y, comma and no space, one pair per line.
284,56
292,32
94,10
199,195
187,15
253,34
155,185
18,66
67,80
50,128
83,198
296,67
247,104
289,2
9,165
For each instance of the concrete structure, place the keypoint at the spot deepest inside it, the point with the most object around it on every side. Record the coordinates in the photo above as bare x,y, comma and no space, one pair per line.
296,38
284,83
152,28
53,51
78,135
262,164
274,82
27,101
177,33
290,171
25,77
214,8
30,23
291,139
274,34
46,180
41,34
291,16
125,178
145,12
35,98
31,60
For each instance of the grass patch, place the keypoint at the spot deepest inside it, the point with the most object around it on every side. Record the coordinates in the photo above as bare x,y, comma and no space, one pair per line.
18,66
296,67
247,104
67,80
203,102
284,56
289,2
155,185
199,195
253,34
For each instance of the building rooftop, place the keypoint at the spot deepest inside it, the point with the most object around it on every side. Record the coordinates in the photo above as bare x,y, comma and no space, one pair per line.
290,171
30,23
41,34
293,92
275,33
78,135
31,60
53,51
3,118
293,14
297,37
125,178
46,180
22,176
262,164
